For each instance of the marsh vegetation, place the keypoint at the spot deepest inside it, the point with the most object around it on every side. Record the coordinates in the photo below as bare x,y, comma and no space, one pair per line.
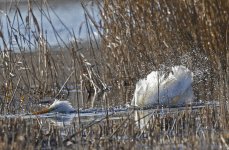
125,42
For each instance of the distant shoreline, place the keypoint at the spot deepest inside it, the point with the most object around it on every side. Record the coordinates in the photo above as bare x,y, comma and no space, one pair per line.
26,1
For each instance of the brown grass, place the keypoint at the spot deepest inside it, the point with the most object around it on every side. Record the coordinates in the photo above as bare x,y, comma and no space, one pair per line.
187,129
138,37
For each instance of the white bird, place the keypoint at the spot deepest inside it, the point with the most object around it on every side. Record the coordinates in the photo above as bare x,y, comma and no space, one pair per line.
57,107
173,90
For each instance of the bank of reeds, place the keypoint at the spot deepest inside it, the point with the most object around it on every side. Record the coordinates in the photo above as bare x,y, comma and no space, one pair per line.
137,37
32,69
141,36
167,129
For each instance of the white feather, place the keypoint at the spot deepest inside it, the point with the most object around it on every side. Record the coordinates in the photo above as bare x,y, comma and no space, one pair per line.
61,107
172,90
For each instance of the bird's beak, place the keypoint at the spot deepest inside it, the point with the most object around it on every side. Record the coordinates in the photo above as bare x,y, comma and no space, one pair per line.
43,111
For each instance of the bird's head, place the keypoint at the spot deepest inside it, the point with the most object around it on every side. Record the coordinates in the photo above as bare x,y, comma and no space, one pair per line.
43,111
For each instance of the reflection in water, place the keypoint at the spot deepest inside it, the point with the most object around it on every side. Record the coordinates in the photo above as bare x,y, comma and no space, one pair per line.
166,117
87,116
62,120
142,117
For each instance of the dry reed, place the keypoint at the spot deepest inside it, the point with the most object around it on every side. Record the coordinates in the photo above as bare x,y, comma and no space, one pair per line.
137,37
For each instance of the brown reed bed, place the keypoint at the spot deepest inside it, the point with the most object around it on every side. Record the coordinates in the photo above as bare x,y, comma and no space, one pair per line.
186,129
136,38
140,36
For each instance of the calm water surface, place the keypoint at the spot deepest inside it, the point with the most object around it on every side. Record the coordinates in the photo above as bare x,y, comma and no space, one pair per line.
59,21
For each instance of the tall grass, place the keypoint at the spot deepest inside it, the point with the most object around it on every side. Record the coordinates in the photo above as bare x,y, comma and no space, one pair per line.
32,69
171,129
141,36
137,37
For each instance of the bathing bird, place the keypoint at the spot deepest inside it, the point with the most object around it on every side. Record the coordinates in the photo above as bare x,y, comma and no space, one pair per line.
58,107
171,89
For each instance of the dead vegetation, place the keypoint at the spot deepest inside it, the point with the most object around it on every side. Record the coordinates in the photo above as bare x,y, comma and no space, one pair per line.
140,36
137,37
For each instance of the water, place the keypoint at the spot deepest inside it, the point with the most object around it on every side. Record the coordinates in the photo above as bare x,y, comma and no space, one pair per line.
141,116
164,128
59,21
86,116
